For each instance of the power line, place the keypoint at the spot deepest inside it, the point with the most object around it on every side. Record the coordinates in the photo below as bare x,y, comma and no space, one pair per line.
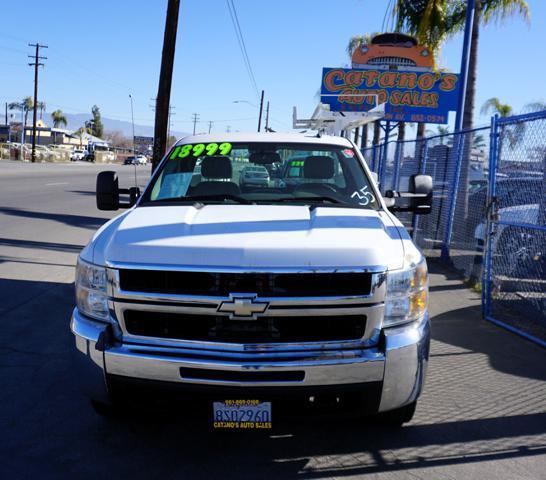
36,64
242,45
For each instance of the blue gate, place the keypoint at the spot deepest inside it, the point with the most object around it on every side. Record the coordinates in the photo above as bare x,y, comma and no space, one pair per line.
514,230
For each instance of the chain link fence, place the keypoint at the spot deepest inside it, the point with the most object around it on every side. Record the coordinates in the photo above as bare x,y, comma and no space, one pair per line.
515,276
457,231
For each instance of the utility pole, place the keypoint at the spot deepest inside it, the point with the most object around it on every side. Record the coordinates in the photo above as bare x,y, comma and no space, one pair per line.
261,110
36,64
165,82
211,123
267,117
195,118
171,108
6,113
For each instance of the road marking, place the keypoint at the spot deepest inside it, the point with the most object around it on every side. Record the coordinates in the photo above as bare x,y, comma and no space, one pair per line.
58,183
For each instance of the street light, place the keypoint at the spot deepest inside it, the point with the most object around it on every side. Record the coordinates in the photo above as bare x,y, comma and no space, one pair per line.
134,149
261,107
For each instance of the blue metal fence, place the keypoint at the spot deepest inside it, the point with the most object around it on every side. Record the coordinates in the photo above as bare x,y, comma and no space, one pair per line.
465,187
514,282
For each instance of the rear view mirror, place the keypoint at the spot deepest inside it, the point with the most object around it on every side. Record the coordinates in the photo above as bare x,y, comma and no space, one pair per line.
108,192
417,200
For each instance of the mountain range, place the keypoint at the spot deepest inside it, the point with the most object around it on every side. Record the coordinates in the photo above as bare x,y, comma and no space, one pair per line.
77,120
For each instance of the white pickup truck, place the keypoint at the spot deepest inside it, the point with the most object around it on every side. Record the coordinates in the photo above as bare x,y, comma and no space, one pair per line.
252,296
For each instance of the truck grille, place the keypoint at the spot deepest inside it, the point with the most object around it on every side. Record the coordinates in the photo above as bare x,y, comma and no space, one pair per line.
263,284
183,326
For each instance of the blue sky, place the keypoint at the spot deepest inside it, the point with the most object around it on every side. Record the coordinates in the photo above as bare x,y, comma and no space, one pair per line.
101,51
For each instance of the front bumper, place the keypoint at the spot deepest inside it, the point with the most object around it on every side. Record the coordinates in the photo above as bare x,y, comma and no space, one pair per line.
398,365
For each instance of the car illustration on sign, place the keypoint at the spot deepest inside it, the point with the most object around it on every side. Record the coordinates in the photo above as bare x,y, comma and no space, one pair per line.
393,50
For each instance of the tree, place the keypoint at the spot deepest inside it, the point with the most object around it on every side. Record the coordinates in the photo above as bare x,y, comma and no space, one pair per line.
58,118
41,107
430,21
117,139
534,107
478,141
97,128
80,132
487,11
495,106
26,105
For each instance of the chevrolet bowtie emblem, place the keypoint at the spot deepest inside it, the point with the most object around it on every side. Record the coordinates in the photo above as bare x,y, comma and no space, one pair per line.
243,307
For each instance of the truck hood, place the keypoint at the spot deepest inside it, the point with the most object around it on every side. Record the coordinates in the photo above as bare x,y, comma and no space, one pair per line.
251,236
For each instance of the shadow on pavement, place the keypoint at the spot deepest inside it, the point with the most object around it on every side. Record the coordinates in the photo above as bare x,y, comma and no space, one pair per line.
50,430
59,247
68,219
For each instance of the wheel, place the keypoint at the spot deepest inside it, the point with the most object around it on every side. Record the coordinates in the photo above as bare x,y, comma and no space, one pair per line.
399,416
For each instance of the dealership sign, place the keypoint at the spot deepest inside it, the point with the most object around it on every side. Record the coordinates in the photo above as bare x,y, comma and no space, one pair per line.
409,96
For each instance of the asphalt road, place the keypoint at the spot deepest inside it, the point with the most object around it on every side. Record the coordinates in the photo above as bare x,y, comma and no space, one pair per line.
482,415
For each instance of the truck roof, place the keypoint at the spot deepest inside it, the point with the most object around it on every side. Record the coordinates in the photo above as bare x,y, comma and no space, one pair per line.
254,137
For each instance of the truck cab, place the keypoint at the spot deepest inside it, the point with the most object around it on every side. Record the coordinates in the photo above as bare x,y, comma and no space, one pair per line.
304,289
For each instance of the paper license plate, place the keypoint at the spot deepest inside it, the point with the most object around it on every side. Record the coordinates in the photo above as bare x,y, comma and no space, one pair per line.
241,414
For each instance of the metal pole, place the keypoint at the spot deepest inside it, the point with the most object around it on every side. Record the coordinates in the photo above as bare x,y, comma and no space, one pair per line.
261,110
491,198
134,146
470,12
33,155
22,131
383,164
267,117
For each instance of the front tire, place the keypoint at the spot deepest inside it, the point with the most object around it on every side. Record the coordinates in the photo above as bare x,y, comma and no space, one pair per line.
399,416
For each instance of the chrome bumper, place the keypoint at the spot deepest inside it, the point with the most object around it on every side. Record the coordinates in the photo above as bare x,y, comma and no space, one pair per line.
400,365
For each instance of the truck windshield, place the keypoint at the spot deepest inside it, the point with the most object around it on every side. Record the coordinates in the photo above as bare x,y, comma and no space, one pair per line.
262,173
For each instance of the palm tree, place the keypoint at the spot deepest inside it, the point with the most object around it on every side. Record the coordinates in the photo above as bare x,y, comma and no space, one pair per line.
495,106
478,141
534,107
26,105
487,11
430,21
58,118
42,107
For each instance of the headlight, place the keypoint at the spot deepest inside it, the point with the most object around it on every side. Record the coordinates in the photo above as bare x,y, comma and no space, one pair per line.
407,295
91,295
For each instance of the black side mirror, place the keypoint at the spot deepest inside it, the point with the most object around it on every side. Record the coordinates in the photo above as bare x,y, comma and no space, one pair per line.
421,188
107,191
417,200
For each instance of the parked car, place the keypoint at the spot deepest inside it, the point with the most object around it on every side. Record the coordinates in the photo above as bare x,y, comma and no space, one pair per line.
256,297
254,176
136,160
511,192
78,155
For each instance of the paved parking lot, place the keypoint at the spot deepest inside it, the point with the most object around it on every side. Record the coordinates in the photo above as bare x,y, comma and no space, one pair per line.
482,415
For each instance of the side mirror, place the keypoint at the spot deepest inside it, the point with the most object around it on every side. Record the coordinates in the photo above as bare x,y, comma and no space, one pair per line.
107,191
421,188
417,200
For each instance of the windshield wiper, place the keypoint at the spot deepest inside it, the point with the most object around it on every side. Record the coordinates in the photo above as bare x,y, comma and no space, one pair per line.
218,197
317,201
